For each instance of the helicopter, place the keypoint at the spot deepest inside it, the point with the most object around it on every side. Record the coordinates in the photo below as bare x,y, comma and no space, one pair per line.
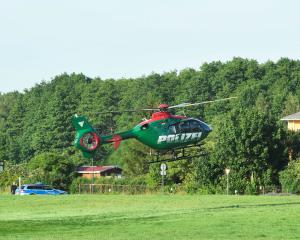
163,132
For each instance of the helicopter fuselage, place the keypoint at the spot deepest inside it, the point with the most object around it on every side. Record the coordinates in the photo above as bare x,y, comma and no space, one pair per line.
165,131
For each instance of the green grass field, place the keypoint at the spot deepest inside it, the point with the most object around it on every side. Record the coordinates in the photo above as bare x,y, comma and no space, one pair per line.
149,217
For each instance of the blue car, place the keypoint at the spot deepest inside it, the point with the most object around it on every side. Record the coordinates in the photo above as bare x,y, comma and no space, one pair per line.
33,189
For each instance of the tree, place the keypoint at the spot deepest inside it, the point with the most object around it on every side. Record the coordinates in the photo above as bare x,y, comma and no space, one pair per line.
244,144
52,168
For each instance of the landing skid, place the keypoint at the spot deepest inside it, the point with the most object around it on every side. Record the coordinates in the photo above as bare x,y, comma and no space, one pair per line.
177,154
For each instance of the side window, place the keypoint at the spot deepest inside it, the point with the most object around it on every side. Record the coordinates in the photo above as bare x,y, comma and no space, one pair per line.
195,126
35,187
172,129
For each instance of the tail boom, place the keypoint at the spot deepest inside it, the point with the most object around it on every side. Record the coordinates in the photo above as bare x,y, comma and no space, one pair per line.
88,140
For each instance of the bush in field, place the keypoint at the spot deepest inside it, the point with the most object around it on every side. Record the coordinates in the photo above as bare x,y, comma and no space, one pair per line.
290,177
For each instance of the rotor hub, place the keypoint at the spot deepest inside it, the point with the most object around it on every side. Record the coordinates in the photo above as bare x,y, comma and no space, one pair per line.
163,107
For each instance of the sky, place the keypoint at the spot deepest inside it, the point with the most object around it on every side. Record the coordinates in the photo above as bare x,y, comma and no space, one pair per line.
130,38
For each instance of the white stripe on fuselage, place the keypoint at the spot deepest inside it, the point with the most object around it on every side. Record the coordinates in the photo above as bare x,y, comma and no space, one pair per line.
182,137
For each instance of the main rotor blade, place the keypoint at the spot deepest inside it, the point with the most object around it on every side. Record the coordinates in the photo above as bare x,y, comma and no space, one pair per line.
129,110
199,103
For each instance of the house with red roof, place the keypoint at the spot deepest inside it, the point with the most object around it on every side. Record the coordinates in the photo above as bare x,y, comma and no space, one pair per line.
99,171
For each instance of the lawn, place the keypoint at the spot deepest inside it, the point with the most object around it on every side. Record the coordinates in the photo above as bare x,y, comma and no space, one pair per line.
149,217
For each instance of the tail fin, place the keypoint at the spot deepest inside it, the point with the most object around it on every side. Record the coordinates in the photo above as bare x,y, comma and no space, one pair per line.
87,139
81,123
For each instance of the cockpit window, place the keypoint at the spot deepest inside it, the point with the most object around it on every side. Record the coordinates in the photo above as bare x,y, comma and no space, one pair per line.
195,126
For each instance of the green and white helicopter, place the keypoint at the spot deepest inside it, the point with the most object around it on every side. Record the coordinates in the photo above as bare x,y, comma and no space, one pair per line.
163,132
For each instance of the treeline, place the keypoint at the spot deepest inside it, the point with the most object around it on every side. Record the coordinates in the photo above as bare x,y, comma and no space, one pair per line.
248,136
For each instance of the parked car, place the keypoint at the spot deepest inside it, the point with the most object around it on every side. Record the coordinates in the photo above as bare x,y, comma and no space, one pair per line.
32,189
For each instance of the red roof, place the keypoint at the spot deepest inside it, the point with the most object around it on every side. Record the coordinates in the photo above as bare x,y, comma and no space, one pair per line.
95,169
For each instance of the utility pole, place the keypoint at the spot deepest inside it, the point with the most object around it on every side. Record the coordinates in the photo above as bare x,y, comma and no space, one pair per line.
20,184
1,166
93,175
163,173
227,171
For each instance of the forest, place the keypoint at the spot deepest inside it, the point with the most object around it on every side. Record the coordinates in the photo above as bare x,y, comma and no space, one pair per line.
36,135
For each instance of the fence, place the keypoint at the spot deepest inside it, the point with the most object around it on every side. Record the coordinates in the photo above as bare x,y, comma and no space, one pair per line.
271,190
142,189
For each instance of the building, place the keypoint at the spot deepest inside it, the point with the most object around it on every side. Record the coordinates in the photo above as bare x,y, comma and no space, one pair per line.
293,121
99,171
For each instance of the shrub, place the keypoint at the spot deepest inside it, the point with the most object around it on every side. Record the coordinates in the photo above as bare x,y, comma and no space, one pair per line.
290,177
